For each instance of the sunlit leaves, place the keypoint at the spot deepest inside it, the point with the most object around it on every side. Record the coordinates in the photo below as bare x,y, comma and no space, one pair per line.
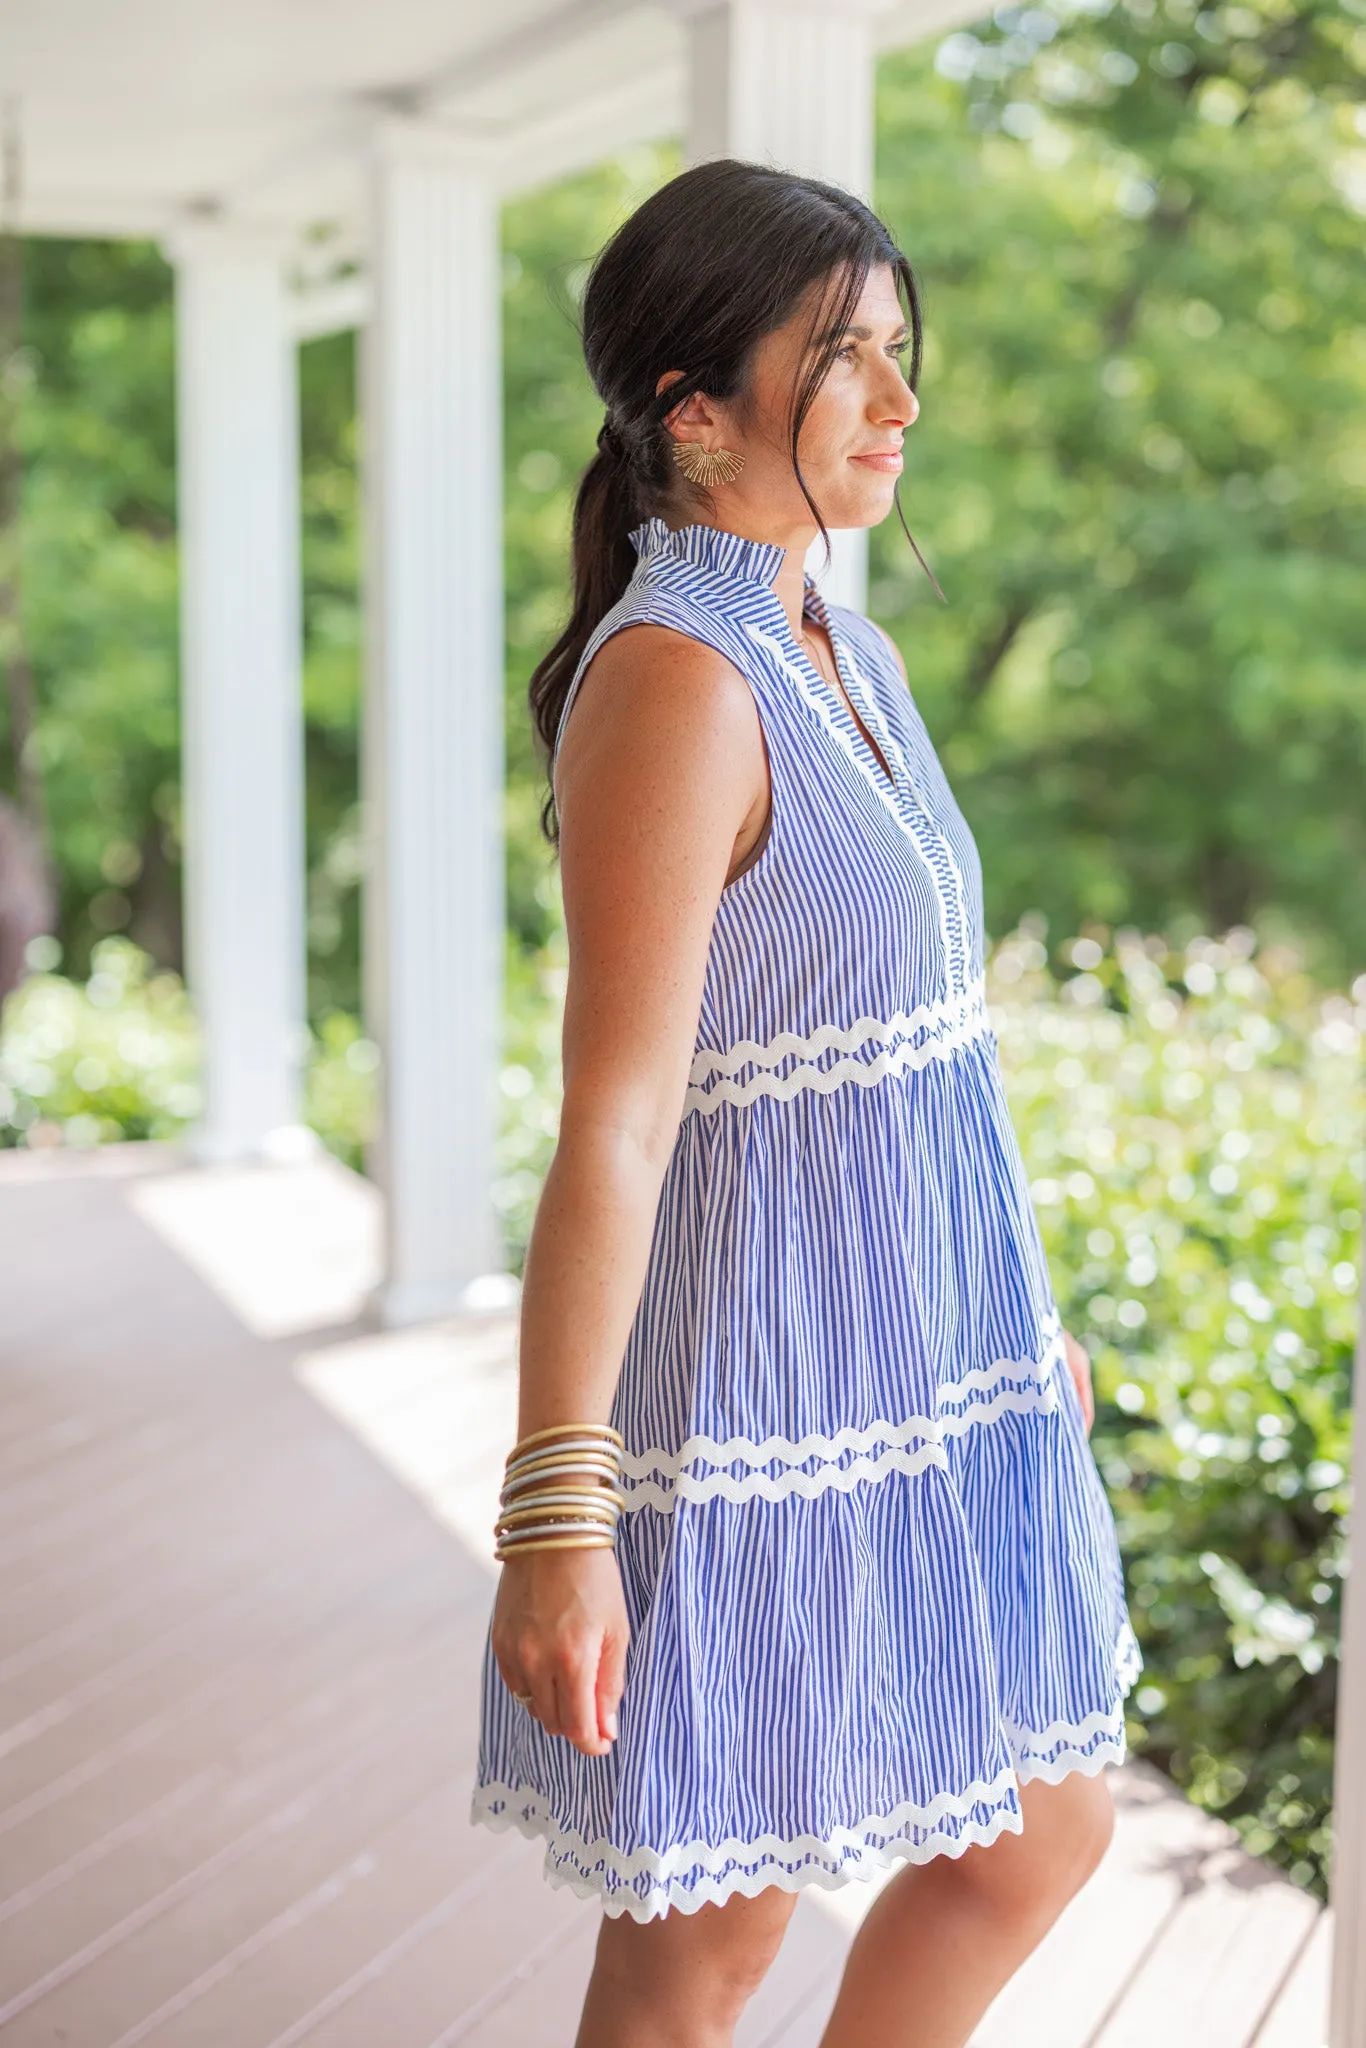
1194,1123
1140,462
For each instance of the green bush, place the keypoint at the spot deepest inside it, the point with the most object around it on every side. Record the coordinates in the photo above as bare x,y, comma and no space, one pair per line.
1193,1126
117,1057
1192,1123
86,1063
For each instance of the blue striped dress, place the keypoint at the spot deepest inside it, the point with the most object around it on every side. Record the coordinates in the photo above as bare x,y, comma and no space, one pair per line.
871,1570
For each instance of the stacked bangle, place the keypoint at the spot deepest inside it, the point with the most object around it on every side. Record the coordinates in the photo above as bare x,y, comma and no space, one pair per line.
560,1490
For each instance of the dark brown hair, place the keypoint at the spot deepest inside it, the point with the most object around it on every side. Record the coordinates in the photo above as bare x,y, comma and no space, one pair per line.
715,260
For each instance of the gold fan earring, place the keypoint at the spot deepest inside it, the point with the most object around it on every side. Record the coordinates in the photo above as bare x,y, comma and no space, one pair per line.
707,466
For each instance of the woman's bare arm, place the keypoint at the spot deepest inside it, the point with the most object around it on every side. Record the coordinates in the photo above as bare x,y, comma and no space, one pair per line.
661,786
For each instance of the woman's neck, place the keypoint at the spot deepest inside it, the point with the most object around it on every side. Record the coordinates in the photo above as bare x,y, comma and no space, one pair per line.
790,585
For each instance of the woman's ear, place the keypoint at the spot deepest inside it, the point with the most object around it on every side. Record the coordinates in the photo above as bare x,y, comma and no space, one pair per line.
696,410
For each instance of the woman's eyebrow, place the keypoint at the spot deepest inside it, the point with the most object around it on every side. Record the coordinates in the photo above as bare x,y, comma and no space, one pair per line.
863,333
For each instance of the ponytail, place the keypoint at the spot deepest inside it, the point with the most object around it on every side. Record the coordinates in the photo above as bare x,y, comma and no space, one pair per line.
602,561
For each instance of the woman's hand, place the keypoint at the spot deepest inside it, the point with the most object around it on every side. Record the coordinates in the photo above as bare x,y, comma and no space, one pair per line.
1079,1365
560,1633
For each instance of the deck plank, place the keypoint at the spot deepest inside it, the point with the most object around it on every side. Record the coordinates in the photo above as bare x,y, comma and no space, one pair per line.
156,1835
333,1925
242,1708
457,1955
544,2005
1299,2015
1210,1977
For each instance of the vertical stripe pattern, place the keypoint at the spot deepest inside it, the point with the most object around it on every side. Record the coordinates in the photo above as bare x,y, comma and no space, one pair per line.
871,1571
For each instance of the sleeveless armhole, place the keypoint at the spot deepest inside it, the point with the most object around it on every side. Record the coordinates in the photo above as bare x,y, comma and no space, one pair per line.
605,631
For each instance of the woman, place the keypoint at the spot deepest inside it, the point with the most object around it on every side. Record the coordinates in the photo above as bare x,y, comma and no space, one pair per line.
809,1570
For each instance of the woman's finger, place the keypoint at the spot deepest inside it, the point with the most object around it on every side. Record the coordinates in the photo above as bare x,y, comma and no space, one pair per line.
575,1691
1079,1365
611,1681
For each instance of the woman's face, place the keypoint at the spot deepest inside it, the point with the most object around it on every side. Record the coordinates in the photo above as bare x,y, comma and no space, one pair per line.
850,444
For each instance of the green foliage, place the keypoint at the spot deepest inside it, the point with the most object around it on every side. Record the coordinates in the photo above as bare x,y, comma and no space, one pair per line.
341,1097
330,506
529,1086
1139,469
1194,1127
89,1063
99,586
99,600
117,1056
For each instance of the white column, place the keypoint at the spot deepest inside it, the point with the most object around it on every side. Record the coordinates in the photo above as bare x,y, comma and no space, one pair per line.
1347,1885
432,763
789,83
242,712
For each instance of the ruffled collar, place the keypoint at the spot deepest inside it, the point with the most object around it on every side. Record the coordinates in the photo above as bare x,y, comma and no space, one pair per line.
711,548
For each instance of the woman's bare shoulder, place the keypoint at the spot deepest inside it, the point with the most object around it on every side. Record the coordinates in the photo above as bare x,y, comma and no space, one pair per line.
651,686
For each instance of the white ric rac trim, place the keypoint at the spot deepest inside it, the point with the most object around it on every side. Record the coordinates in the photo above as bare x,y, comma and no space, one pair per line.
957,1022
848,1853
953,1012
1009,1386
692,1874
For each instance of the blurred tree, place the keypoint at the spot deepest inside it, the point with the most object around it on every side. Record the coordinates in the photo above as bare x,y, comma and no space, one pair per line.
332,670
1139,471
99,585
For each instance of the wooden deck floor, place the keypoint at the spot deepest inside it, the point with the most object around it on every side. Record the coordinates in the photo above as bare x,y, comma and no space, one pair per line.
244,1583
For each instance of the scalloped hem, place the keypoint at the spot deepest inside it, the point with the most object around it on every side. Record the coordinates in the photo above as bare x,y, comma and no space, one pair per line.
1048,1755
673,1894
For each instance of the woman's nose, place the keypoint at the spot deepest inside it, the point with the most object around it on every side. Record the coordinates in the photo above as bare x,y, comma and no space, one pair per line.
901,408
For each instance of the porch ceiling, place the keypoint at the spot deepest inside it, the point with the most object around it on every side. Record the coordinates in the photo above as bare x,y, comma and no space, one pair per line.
135,116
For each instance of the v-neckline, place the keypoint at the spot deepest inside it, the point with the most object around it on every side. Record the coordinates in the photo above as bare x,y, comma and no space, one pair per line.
813,605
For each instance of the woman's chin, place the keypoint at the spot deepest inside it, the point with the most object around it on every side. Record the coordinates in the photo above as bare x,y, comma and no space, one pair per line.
867,504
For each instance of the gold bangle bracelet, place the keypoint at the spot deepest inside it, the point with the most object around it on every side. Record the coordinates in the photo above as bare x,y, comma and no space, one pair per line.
537,1518
591,1487
567,1446
557,1460
554,1528
554,1543
606,1505
547,1473
570,1429
567,1453
524,1532
518,1497
569,1496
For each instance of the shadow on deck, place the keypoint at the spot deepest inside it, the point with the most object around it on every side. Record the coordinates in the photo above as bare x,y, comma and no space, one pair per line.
244,1584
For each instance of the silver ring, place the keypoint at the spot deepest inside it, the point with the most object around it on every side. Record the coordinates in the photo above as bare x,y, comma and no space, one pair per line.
523,1699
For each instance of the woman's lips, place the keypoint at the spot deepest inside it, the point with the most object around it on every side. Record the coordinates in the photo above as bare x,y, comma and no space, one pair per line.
888,460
